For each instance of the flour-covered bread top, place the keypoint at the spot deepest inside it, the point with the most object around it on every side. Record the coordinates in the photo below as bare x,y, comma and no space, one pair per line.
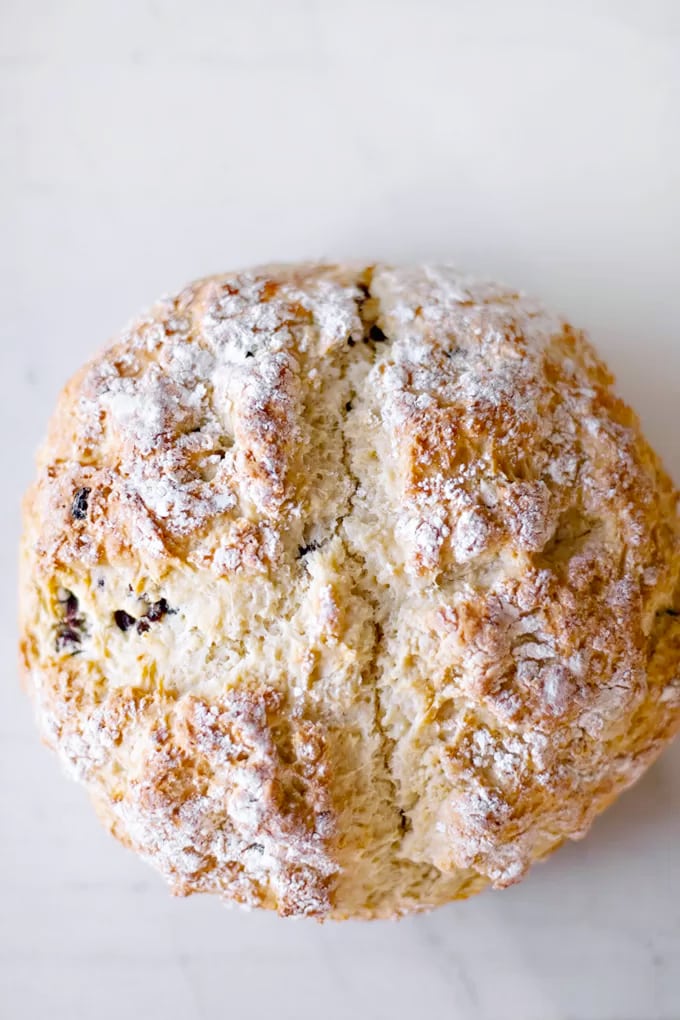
347,590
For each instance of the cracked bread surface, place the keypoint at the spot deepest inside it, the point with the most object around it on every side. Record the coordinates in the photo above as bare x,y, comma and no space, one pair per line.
350,590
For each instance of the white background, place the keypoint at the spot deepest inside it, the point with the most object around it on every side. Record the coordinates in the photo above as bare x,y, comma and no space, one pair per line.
146,143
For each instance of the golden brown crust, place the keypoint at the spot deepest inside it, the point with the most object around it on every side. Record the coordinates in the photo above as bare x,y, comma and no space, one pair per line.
347,590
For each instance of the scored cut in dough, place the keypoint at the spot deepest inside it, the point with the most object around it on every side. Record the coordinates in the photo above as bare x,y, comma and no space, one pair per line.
349,590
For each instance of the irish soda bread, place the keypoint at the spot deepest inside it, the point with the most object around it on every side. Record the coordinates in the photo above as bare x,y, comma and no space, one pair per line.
347,591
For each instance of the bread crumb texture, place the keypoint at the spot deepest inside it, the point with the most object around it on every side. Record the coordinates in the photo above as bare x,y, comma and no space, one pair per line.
348,591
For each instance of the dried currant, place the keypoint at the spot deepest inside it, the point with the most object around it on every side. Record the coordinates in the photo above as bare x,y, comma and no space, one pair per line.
304,549
71,628
157,611
80,504
123,620
68,639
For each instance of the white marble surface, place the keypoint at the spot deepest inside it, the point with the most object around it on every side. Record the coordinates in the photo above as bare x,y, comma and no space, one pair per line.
144,145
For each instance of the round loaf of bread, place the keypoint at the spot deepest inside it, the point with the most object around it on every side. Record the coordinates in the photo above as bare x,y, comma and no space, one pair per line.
350,590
